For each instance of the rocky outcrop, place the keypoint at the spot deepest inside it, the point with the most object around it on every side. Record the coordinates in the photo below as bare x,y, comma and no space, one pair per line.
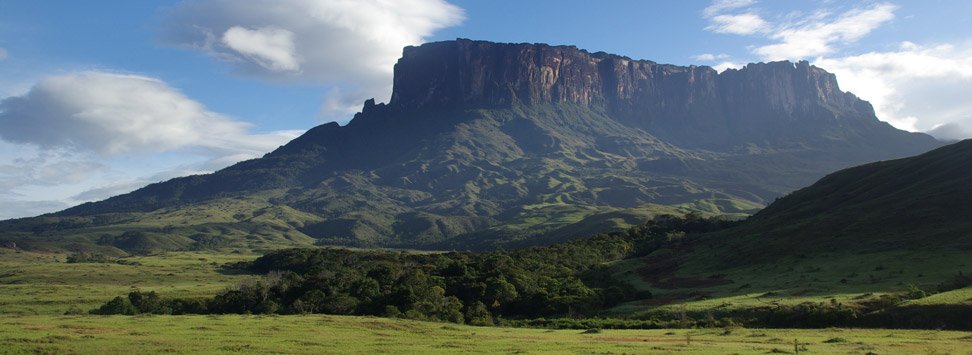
692,104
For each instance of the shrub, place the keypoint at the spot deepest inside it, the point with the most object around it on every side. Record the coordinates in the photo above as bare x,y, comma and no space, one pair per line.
117,305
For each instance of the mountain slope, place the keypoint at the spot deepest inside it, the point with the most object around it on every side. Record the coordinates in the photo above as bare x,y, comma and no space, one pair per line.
483,143
884,233
916,202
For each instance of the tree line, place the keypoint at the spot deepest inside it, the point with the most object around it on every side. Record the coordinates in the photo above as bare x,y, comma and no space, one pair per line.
561,280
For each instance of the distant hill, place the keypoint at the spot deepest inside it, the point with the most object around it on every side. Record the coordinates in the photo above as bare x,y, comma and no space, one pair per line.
487,145
892,239
918,202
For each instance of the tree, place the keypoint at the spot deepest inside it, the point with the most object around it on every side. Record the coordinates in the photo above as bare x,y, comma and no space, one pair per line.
477,314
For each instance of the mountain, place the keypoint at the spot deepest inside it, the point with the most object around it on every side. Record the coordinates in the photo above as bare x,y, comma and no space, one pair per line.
487,145
883,245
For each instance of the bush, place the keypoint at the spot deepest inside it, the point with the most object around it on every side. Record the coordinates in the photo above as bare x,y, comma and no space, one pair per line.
958,281
117,305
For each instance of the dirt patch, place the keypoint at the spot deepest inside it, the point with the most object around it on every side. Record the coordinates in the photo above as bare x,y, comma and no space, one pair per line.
802,292
691,282
660,273
659,268
675,298
638,339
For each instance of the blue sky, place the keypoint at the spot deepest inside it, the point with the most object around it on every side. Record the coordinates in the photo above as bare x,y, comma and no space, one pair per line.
101,97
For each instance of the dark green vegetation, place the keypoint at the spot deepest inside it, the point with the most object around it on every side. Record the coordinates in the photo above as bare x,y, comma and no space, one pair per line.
914,203
566,279
487,146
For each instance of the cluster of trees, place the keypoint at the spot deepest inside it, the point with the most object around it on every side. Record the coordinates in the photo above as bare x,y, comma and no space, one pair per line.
562,280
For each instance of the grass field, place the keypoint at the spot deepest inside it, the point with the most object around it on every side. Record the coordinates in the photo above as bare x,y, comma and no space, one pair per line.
36,289
38,283
344,334
846,278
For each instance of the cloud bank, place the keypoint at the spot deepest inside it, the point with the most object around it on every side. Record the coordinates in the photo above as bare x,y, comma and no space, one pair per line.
352,45
110,114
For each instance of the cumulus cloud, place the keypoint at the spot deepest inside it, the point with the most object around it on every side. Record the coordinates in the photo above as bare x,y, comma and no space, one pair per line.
741,24
917,88
351,44
112,114
103,133
819,35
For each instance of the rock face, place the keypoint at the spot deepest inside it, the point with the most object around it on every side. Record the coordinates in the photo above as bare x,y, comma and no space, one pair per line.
488,144
695,106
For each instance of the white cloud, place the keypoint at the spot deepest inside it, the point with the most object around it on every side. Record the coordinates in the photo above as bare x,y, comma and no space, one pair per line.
741,24
916,88
817,36
952,131
81,136
722,66
3,54
47,169
709,57
271,48
351,44
720,6
14,208
112,114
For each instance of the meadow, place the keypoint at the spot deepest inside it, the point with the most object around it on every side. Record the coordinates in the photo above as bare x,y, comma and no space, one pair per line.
36,290
45,284
350,334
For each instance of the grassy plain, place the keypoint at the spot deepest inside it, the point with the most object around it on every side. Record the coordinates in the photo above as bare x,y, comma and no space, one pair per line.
41,283
346,334
36,289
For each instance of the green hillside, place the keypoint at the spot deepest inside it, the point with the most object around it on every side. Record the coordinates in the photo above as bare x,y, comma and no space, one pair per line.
898,229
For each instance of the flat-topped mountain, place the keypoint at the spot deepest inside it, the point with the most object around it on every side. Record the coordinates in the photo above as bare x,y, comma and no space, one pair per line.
694,105
488,144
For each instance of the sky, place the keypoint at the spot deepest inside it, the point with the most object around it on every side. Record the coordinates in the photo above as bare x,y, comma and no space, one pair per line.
98,98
